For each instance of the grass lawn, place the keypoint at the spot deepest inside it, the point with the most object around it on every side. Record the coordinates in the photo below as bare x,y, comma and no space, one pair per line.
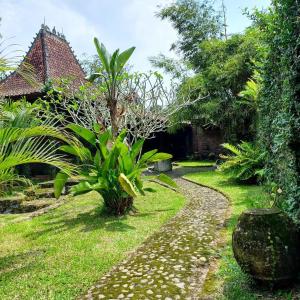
59,255
229,282
196,163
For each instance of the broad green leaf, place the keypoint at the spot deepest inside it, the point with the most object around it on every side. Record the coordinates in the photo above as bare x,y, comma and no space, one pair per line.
139,185
97,159
146,156
150,190
93,77
81,188
123,58
59,183
82,152
160,156
127,185
136,148
97,127
167,180
85,133
103,54
104,137
113,63
122,136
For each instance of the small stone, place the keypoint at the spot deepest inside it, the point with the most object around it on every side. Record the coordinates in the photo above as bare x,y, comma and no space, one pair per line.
149,292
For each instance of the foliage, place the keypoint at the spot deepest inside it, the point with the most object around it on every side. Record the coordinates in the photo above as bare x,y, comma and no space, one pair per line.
21,114
226,68
279,129
195,22
244,163
24,139
19,146
222,68
113,66
113,170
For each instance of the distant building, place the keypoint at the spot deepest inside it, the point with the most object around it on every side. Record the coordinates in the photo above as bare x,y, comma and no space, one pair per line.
51,57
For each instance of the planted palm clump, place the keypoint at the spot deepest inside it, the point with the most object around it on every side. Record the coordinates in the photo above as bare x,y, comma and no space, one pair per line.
111,168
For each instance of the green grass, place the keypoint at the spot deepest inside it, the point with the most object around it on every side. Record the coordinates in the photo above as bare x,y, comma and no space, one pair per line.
196,163
59,255
229,282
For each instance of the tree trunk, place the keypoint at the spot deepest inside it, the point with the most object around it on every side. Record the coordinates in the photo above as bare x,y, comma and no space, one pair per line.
113,111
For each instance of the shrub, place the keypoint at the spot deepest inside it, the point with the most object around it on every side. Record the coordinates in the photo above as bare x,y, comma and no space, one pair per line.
245,163
110,168
279,128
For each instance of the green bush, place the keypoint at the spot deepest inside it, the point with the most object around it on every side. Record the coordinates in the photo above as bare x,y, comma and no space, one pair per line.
244,163
110,168
279,104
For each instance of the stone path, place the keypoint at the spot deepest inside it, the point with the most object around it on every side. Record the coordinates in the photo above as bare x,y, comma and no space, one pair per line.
173,263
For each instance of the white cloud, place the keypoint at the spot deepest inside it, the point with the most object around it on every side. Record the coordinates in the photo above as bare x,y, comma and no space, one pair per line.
119,23
153,35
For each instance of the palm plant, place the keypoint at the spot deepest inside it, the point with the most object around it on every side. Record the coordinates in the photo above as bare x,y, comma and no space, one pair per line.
20,114
112,168
111,75
19,146
244,163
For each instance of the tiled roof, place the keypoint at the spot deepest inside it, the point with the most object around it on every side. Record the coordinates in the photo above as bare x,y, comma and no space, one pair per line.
51,57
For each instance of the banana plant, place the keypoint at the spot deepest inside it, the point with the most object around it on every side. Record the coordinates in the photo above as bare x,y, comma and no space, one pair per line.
111,168
111,75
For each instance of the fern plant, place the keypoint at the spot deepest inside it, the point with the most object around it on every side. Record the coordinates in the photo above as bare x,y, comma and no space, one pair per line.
245,162
111,168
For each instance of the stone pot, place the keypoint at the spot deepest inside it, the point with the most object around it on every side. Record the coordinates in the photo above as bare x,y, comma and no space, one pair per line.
266,246
163,165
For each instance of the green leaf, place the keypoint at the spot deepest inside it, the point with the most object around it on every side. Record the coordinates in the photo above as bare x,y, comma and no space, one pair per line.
150,190
167,180
122,136
136,148
82,152
127,185
59,183
97,159
113,63
93,77
160,156
85,133
81,188
146,156
103,54
123,58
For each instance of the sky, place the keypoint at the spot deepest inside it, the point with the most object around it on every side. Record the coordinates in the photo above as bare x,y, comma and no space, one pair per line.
116,23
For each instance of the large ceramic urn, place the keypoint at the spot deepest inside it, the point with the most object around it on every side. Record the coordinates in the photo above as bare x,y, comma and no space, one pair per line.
266,245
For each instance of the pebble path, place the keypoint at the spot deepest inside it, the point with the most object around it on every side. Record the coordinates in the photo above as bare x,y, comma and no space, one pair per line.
173,263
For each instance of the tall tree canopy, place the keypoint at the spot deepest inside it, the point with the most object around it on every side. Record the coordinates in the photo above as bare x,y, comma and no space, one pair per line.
195,21
221,66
